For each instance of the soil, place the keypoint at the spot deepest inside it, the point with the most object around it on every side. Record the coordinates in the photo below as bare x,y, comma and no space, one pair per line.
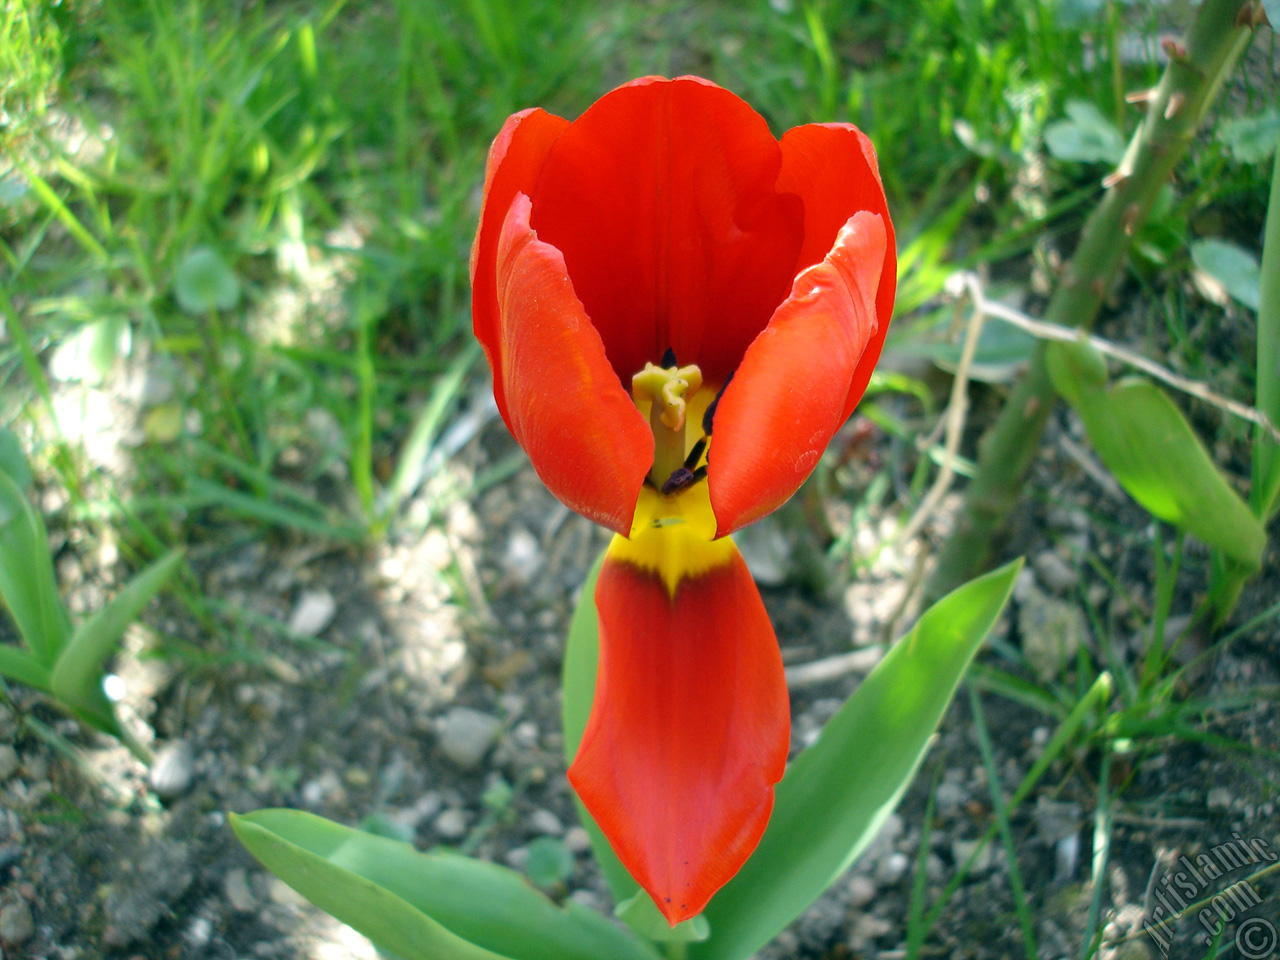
327,688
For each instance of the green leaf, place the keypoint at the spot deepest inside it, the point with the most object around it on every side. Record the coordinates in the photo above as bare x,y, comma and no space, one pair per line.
1146,442
1086,136
1252,139
27,582
203,282
642,915
579,689
20,666
13,460
432,905
395,926
838,792
1264,494
549,862
1233,268
77,676
1002,353
1075,368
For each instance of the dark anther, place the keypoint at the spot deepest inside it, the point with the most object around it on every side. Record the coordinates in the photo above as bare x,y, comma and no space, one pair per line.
680,478
710,415
695,454
669,359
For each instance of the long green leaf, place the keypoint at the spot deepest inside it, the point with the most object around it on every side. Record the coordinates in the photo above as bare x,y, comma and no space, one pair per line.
838,792
27,582
1146,442
386,889
579,690
77,676
20,666
1265,493
385,918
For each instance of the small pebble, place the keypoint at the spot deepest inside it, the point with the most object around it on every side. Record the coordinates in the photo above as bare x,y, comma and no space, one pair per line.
891,869
16,925
235,887
313,612
173,770
8,761
545,822
466,735
866,929
451,824
861,890
588,899
577,840
1055,573
281,892
1219,798
961,850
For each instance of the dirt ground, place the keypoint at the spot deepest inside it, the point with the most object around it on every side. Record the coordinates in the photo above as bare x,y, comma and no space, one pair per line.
413,687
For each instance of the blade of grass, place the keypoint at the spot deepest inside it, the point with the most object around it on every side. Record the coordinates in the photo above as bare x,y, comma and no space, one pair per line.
1102,829
1002,821
1099,694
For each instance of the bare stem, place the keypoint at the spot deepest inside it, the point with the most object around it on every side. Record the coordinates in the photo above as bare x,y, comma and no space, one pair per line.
1174,110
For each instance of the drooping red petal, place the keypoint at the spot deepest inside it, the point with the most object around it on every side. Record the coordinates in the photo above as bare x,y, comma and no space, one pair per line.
832,167
515,160
662,198
565,405
690,725
792,391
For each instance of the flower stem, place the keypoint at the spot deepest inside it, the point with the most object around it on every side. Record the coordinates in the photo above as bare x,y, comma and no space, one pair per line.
1192,79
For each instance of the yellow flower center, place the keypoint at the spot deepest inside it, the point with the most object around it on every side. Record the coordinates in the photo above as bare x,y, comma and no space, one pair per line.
668,392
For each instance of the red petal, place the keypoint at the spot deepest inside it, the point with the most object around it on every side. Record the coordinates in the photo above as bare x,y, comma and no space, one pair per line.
515,160
662,197
832,168
587,440
689,728
793,391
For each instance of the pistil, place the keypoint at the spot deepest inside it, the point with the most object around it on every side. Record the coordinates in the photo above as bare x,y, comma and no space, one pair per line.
668,391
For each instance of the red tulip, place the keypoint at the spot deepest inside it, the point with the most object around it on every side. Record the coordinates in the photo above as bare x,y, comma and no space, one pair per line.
680,311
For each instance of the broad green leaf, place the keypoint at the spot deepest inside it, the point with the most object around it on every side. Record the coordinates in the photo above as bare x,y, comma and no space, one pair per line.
488,908
392,924
579,689
1233,268
1085,136
1146,442
18,665
203,282
27,582
77,676
1252,139
838,792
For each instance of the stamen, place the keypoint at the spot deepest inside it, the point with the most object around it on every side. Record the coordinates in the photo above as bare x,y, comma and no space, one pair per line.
708,418
669,358
695,454
680,478
667,391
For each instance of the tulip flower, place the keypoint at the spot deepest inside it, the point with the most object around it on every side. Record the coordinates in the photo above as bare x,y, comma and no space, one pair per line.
680,311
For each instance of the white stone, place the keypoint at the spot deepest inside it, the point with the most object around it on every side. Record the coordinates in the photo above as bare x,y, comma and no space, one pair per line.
313,612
